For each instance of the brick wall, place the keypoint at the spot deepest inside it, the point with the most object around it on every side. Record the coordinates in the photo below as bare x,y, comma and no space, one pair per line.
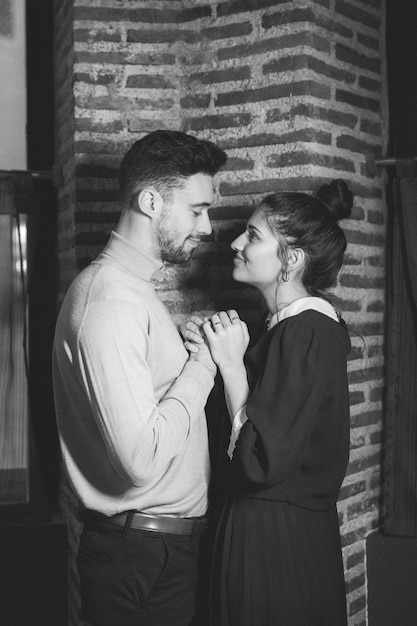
64,135
294,92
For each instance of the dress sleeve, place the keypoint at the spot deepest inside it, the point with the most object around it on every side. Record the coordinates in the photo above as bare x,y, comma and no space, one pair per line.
238,421
282,406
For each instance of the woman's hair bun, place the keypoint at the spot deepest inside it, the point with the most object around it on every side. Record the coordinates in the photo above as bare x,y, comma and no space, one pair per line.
337,198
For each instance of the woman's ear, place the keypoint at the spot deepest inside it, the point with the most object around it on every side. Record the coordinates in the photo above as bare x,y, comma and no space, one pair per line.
296,259
150,202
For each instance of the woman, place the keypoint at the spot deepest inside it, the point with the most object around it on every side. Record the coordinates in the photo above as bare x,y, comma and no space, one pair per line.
278,553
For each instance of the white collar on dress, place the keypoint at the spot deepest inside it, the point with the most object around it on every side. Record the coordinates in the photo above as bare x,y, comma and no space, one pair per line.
303,304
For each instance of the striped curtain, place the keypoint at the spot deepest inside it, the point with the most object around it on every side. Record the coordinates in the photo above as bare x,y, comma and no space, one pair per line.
400,466
14,426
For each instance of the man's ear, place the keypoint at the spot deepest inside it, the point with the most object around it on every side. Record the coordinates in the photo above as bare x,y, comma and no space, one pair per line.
150,202
296,259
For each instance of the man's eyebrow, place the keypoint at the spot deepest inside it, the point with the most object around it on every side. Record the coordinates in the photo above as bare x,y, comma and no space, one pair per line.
203,205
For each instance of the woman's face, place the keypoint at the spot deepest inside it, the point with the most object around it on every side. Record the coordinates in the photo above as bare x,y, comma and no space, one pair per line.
256,261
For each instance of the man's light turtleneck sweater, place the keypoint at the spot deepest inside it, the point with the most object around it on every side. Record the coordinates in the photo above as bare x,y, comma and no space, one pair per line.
129,403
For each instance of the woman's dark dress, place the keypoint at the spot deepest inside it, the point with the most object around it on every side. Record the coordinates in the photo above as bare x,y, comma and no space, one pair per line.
278,554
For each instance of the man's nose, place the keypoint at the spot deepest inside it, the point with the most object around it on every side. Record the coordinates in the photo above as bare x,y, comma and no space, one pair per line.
204,225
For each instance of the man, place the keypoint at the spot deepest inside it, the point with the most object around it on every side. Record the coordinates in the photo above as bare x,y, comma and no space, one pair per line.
130,401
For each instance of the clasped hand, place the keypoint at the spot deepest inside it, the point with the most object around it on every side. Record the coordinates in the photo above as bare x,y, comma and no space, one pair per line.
225,334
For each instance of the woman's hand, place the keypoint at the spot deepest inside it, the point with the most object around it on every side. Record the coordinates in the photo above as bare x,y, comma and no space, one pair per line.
228,338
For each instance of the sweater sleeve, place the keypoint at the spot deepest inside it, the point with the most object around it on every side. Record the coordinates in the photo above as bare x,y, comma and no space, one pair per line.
142,434
282,407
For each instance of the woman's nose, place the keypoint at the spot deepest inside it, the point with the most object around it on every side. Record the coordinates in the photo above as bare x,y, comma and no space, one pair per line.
237,244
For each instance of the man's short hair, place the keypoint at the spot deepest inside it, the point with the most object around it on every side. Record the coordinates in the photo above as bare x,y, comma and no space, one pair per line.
164,159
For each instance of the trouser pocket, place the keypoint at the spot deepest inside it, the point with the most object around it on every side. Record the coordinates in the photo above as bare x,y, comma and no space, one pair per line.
118,575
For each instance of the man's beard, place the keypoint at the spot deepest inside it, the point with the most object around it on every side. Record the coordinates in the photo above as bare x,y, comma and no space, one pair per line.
171,252
168,238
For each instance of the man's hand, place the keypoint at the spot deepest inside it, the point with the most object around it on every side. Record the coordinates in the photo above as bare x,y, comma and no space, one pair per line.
196,344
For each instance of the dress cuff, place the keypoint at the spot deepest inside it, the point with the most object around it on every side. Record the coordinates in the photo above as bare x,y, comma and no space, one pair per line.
238,421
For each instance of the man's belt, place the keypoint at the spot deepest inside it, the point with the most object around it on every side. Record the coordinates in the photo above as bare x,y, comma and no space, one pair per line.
153,523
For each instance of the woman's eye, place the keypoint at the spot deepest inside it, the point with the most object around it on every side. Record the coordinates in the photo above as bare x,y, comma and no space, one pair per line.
251,235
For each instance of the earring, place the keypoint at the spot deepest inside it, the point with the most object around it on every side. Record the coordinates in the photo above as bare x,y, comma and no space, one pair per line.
285,275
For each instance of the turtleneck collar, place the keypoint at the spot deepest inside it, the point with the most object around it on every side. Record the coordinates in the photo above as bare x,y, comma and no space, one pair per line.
130,257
